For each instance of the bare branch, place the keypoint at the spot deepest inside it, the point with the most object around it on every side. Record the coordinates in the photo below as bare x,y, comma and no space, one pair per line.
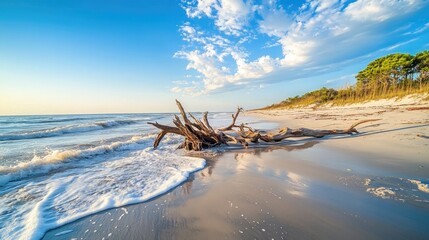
234,119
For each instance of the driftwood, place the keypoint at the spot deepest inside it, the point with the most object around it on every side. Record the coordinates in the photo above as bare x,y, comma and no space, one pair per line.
199,134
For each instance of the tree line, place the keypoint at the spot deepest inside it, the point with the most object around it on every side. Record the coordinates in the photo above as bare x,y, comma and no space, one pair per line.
389,76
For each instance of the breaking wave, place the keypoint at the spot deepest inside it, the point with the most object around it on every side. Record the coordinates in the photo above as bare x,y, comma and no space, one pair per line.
55,159
46,184
68,129
33,207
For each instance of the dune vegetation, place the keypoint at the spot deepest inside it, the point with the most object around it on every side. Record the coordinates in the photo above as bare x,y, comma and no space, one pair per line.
394,75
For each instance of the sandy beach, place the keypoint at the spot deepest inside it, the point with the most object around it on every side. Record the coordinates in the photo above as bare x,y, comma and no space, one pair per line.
214,119
368,186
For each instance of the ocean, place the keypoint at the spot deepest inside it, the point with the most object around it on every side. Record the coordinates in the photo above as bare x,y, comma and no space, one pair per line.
58,168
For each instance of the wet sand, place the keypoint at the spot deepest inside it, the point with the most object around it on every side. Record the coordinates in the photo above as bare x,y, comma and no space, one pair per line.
373,185
305,191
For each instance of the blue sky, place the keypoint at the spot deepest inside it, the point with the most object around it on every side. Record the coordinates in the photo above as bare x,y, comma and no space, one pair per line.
138,56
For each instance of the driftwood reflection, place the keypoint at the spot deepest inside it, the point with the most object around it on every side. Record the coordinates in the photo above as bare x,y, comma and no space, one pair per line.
264,148
213,156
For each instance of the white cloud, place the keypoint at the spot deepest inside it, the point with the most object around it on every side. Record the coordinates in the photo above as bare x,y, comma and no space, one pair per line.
399,44
322,5
419,30
296,51
216,75
379,10
316,37
230,16
202,7
275,21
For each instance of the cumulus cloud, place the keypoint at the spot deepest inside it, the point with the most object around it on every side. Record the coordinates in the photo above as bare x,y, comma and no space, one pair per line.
310,38
230,16
233,16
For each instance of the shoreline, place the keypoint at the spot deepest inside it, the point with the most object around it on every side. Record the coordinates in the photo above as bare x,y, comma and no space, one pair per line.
334,187
401,131
304,201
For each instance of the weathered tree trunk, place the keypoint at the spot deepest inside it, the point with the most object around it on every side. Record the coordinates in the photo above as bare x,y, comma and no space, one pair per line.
200,135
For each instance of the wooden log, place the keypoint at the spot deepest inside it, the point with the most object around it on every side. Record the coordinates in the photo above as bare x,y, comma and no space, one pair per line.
199,134
306,132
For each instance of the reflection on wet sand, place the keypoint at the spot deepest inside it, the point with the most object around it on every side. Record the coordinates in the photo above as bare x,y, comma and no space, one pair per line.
264,148
260,193
254,150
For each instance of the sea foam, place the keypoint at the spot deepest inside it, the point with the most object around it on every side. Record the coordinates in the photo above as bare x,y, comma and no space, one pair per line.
420,186
57,158
28,208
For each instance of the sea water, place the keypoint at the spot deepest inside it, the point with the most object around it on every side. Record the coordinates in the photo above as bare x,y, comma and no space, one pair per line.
56,169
